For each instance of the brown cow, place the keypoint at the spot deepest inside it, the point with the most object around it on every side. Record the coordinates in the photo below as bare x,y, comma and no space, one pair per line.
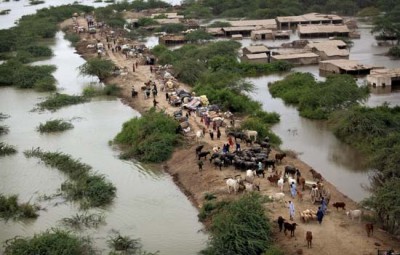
369,227
273,179
279,157
316,175
309,239
338,205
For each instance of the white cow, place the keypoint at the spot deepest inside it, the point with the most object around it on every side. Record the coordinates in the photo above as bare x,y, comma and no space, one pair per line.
250,134
352,214
280,184
249,187
250,175
232,184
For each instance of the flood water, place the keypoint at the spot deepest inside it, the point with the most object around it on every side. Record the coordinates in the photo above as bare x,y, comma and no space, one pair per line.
317,146
148,205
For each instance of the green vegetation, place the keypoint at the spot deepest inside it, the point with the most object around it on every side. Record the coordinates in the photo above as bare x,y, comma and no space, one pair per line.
146,21
15,73
73,38
110,17
10,208
198,36
102,68
263,129
126,245
84,220
3,128
240,227
56,125
6,149
36,2
220,24
5,12
171,28
317,100
370,11
108,90
57,101
53,241
395,51
388,25
91,190
151,138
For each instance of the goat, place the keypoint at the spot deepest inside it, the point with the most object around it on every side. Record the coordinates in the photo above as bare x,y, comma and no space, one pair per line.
309,239
290,227
338,205
249,187
277,196
218,163
316,175
279,157
250,174
232,184
199,148
273,179
203,154
260,172
369,227
199,135
281,220
352,214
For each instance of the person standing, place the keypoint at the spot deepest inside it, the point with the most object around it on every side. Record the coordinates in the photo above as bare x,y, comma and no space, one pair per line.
200,164
237,146
291,210
320,215
211,134
293,189
218,134
230,141
323,205
155,103
133,67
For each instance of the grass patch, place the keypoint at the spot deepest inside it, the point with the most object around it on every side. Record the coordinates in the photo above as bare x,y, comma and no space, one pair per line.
53,241
78,221
126,245
4,130
57,125
6,149
10,208
91,190
108,90
57,101
73,38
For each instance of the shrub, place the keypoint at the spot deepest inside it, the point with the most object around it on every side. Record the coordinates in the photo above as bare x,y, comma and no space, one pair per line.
6,149
394,51
73,38
108,90
126,245
102,68
254,123
45,84
57,101
154,146
57,125
53,241
84,220
4,130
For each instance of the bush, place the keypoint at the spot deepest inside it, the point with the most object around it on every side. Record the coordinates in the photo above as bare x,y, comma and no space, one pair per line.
240,227
126,245
155,146
50,242
57,125
57,101
108,90
84,220
254,123
73,38
46,84
394,51
6,149
4,130
102,68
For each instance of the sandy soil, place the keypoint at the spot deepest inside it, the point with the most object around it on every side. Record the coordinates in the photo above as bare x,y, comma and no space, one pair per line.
337,234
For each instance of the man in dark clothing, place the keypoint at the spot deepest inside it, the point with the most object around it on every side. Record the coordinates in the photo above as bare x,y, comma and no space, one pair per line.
320,215
218,134
280,223
211,134
155,103
200,164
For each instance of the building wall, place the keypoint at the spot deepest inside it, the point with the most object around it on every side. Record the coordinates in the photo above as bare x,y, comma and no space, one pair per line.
300,61
379,81
255,61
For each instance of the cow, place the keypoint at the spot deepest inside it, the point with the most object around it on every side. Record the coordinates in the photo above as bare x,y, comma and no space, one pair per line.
199,148
281,220
352,214
316,175
279,157
290,170
203,154
338,205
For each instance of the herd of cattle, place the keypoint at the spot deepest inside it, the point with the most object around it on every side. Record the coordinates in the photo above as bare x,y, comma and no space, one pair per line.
254,161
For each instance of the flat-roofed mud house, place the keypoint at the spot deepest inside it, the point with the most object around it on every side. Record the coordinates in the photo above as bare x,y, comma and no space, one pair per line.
172,39
344,66
330,49
313,31
289,22
305,58
256,23
244,31
256,54
385,78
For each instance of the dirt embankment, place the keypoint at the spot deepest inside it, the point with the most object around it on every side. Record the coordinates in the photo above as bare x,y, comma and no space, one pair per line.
336,235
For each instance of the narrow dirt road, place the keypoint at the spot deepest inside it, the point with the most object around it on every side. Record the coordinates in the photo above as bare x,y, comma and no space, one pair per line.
337,235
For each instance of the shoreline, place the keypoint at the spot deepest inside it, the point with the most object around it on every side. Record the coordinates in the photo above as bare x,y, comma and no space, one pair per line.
182,167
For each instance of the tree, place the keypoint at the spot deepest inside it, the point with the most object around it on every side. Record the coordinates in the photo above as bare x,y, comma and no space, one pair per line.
102,68
388,25
198,36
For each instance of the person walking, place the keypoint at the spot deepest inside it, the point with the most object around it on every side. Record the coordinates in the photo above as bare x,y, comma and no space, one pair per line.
291,210
211,134
237,146
293,189
133,67
155,103
320,215
323,205
218,134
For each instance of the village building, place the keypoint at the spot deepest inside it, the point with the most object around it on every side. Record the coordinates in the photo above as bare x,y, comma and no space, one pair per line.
172,39
305,58
168,21
384,78
313,31
261,34
344,66
215,31
256,50
256,58
330,49
244,31
237,37
289,22
269,24
167,15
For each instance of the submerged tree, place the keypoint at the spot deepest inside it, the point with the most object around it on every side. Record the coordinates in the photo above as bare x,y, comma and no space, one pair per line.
101,68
